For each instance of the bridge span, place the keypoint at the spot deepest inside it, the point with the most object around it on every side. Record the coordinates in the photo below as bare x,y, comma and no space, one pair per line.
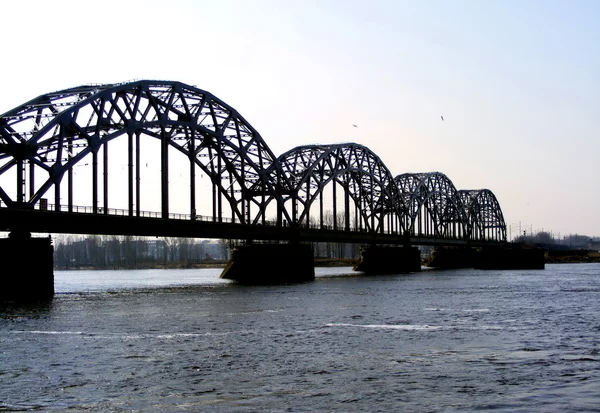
180,225
123,149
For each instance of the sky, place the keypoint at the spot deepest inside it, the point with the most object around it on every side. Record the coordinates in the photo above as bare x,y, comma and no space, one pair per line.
517,82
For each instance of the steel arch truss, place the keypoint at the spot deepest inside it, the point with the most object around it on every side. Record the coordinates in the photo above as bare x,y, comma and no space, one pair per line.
485,220
371,201
42,140
433,204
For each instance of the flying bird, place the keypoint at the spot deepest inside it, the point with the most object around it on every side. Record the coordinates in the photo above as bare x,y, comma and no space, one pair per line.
442,117
354,125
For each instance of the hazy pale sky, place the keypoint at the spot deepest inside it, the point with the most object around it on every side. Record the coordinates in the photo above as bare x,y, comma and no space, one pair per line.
517,82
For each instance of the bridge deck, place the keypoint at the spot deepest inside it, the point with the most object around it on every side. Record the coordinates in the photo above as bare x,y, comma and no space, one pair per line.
108,224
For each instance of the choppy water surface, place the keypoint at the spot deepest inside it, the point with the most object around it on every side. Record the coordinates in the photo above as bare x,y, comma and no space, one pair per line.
438,341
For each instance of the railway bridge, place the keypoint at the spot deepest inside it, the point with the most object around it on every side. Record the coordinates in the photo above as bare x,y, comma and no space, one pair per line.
163,158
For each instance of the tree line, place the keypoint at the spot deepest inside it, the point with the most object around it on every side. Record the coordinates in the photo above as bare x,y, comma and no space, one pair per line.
114,252
99,251
548,240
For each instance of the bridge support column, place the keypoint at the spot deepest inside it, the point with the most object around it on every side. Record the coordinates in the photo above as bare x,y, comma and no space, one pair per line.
389,260
271,264
27,268
452,257
511,258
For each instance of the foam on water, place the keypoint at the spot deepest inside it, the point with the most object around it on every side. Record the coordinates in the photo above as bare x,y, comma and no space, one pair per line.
406,327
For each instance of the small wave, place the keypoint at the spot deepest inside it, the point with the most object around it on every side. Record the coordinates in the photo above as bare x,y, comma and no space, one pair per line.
118,336
235,314
176,335
171,336
581,290
74,333
578,358
23,408
405,327
484,327
466,310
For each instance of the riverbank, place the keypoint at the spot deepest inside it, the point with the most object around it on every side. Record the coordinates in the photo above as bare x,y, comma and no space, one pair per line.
552,257
572,256
319,262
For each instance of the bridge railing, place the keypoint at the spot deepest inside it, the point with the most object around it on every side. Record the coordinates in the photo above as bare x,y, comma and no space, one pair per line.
189,217
126,212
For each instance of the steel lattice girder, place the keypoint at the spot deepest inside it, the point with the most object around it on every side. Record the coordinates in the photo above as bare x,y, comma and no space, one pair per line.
434,193
483,213
358,170
56,130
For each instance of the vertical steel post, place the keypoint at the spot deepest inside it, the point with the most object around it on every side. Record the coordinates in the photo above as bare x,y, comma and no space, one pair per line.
346,205
105,178
321,208
334,205
57,196
20,181
213,178
360,204
219,195
192,159
426,217
214,200
232,194
279,195
243,194
263,208
294,200
130,178
248,216
308,203
95,180
372,206
31,179
164,175
70,174
138,175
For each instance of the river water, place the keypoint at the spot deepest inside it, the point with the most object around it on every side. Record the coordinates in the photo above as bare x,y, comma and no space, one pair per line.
186,341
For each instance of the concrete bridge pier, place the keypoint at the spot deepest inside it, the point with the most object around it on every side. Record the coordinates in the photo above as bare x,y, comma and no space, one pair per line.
452,257
27,268
512,257
389,260
271,264
508,257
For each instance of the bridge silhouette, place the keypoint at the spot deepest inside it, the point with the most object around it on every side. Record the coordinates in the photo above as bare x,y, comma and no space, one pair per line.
100,159
130,159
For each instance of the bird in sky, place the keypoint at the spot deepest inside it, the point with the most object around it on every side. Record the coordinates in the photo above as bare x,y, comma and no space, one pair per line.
354,125
442,117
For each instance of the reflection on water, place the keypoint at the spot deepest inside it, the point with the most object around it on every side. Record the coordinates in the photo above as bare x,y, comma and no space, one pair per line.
185,340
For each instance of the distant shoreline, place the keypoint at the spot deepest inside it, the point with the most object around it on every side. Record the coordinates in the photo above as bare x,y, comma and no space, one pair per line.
572,256
319,262
578,258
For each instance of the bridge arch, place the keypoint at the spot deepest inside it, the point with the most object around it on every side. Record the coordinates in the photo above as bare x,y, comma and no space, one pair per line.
433,204
485,220
45,139
371,201
74,135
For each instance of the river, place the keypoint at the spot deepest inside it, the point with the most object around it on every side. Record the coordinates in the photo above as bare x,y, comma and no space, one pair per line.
186,341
